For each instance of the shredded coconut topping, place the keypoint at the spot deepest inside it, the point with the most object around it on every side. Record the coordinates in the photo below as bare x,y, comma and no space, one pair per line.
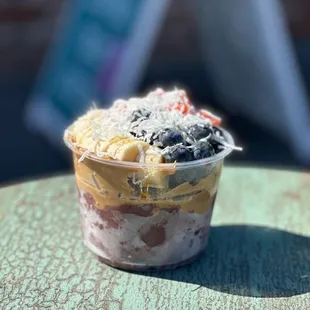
145,118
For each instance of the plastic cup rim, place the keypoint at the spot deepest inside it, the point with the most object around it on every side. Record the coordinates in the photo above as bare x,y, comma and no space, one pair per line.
195,163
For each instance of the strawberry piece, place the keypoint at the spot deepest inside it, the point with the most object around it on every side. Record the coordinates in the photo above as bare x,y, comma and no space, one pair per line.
206,114
184,108
183,104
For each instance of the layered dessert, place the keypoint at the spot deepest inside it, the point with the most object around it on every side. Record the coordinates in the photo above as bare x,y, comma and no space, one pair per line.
147,172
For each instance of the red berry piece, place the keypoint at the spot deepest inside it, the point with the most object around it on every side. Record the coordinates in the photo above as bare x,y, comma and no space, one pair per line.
89,200
155,236
107,215
140,210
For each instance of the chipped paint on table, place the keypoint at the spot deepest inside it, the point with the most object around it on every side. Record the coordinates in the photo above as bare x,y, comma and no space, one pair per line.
258,255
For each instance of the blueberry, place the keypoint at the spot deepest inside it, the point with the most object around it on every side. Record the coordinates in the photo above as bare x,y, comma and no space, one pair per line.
202,153
170,137
137,114
203,150
199,131
179,154
216,146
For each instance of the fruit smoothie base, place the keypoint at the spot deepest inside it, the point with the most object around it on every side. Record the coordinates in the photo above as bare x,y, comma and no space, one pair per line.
147,173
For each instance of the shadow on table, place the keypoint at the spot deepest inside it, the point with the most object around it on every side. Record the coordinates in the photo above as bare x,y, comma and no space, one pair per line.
250,261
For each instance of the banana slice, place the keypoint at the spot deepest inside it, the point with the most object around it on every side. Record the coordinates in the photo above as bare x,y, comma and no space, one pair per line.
153,156
153,176
130,149
126,149
82,128
104,146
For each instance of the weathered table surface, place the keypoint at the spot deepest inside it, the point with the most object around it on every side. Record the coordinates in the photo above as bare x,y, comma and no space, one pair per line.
258,255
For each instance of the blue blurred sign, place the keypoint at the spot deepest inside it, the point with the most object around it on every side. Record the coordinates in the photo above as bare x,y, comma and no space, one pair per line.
101,51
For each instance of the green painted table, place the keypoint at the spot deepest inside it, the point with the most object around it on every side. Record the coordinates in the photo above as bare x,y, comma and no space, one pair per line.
258,255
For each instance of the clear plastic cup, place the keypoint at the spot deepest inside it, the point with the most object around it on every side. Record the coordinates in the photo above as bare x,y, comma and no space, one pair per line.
146,217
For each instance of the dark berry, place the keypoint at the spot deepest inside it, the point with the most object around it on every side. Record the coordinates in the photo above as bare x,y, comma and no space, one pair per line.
217,131
137,114
178,154
217,147
199,131
203,150
202,153
170,137
142,136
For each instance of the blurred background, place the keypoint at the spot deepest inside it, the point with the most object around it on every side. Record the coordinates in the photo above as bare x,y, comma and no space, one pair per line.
246,60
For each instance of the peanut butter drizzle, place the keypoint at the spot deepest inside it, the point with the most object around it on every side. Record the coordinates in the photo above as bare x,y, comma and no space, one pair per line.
108,184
